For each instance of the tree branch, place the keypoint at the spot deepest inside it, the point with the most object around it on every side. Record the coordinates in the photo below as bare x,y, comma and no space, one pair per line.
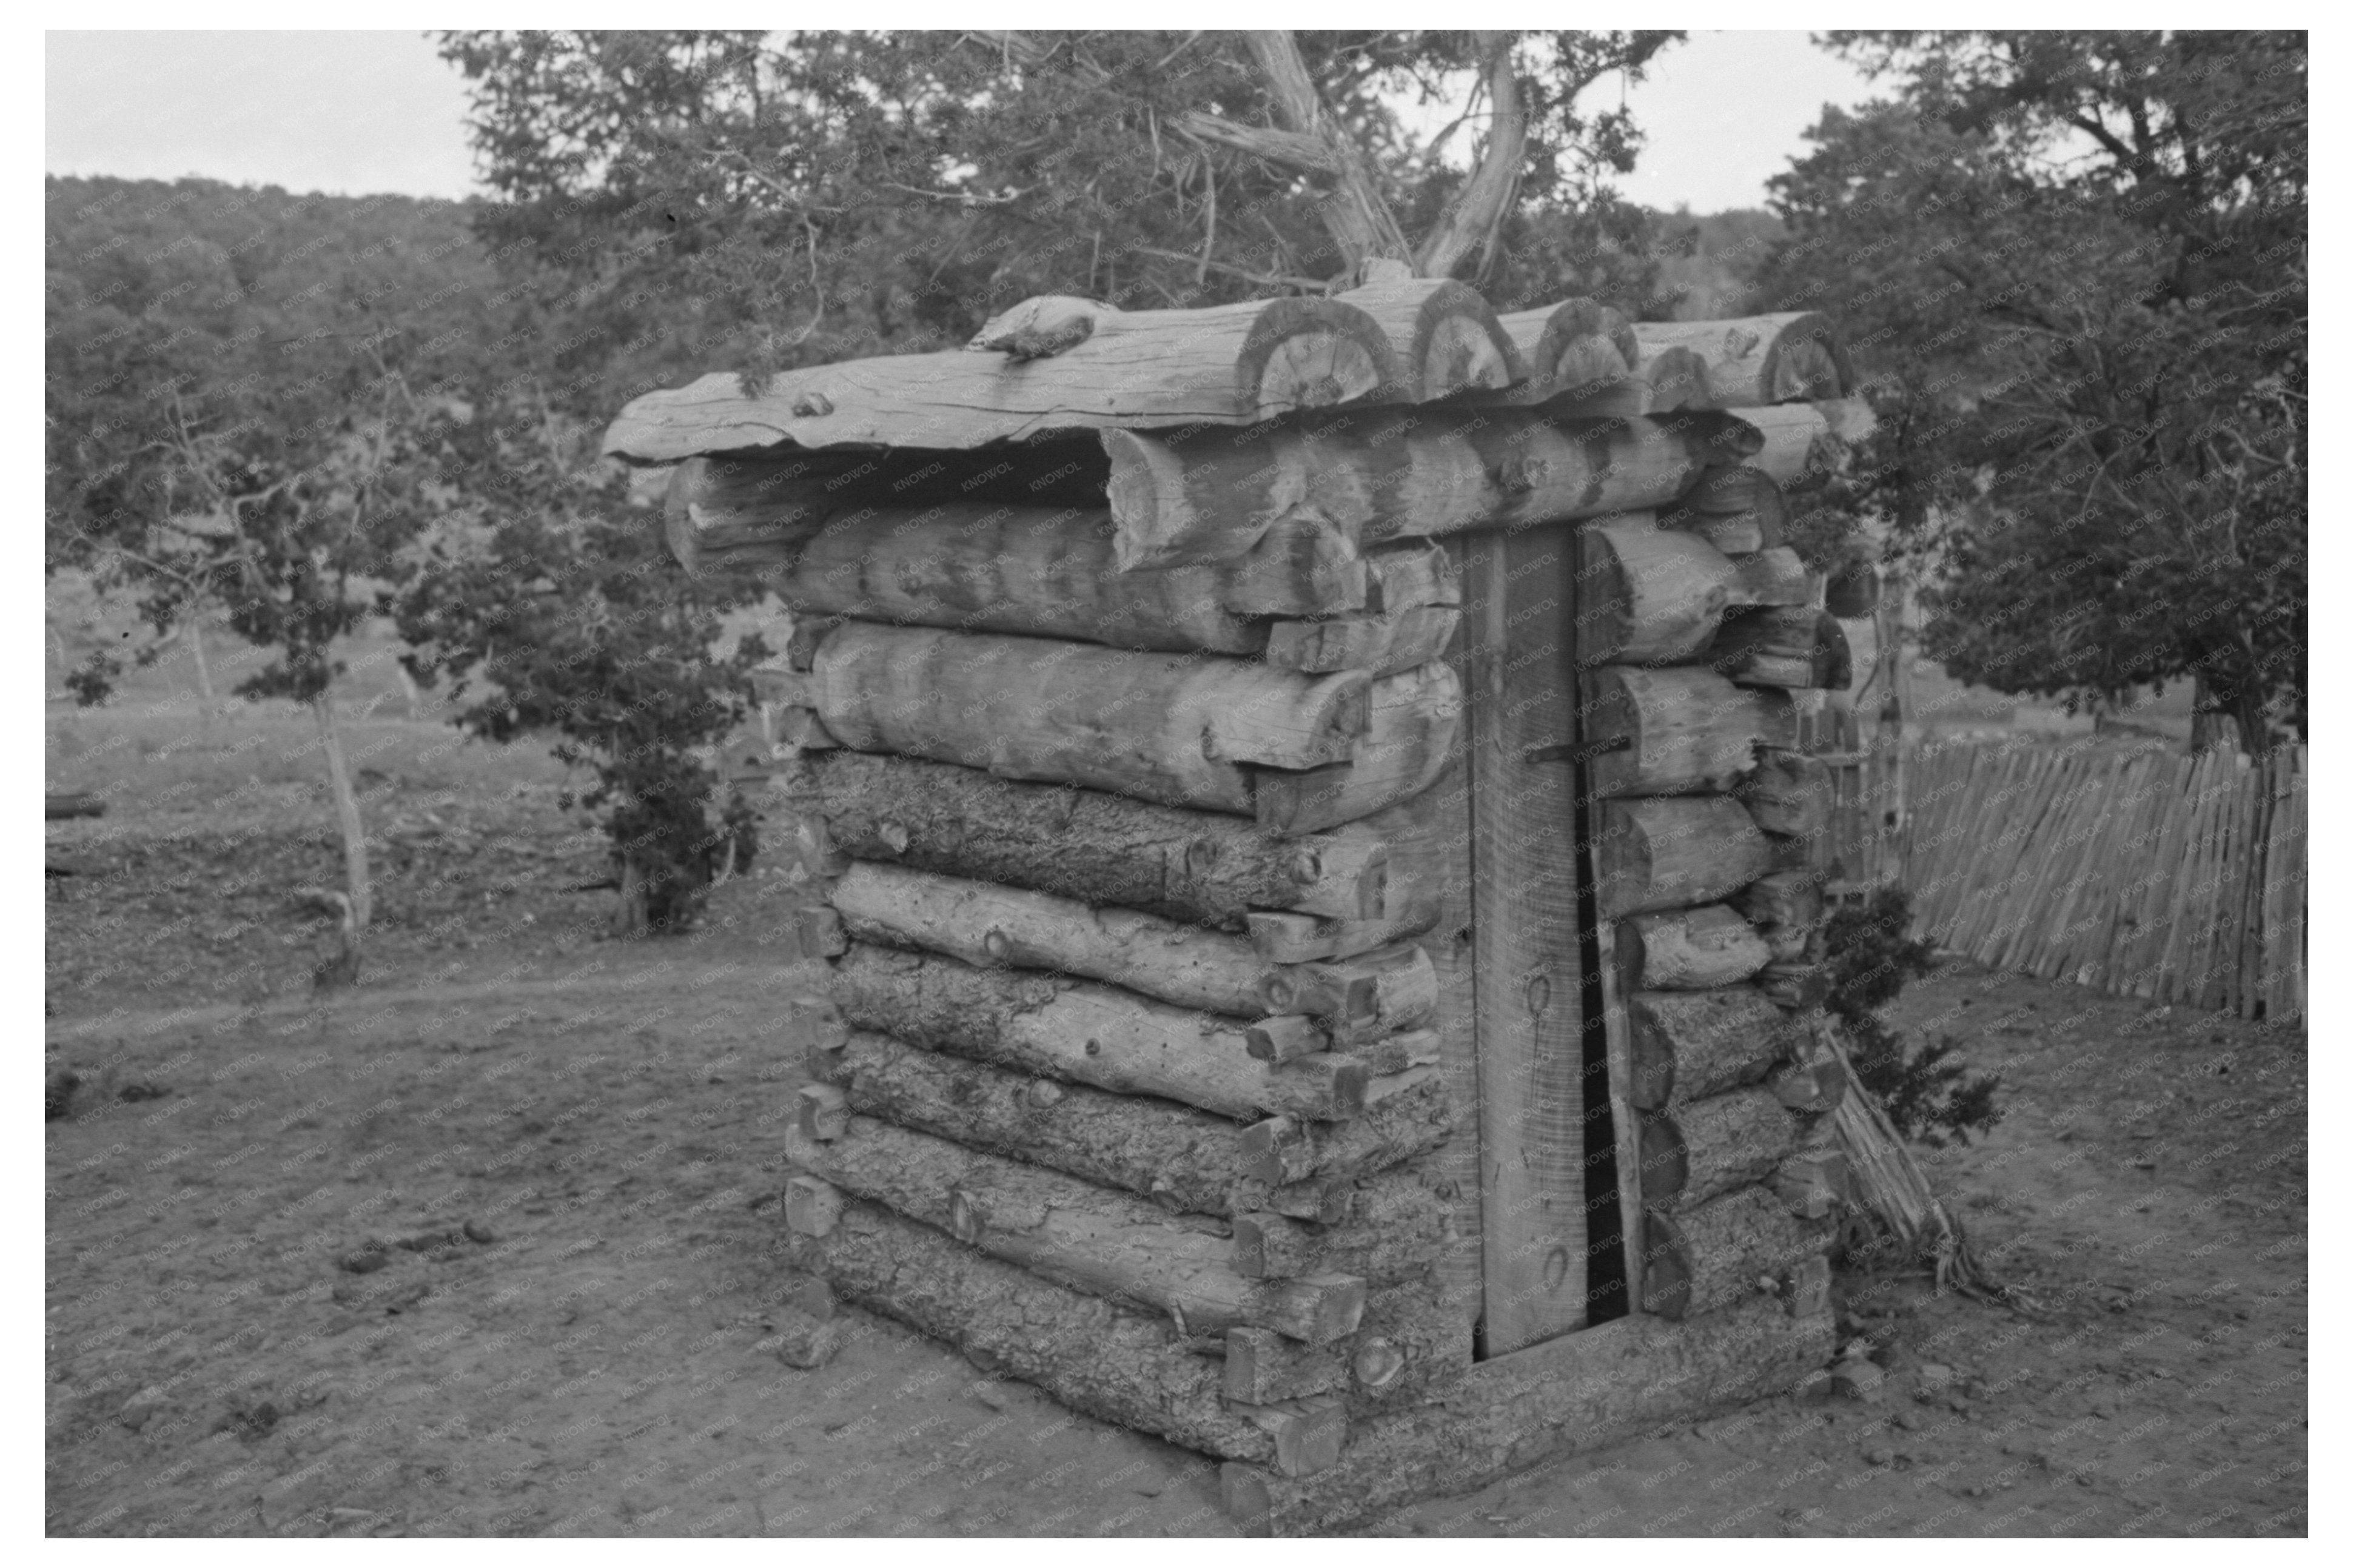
1477,211
1288,148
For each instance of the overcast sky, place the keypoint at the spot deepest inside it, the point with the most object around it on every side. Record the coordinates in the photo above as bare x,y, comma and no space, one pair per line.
359,113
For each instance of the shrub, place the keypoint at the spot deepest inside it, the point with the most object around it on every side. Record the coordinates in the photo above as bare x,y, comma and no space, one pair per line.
1926,1095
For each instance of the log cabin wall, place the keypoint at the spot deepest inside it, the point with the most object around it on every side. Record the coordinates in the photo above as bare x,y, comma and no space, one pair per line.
1312,843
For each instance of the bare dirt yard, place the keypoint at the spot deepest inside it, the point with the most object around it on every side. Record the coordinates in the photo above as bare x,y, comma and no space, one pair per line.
488,1247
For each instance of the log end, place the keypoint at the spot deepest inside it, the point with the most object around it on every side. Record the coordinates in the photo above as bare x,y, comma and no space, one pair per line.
1312,354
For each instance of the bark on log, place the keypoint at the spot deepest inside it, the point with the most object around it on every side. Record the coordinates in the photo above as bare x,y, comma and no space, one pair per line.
1577,1393
1790,792
1182,1158
1123,1367
1787,646
1699,1148
1690,1044
1805,439
1666,851
1160,727
1380,644
1679,731
1704,1259
1395,1236
1377,475
1571,348
1094,1239
1088,1034
987,925
1445,337
1403,1116
1695,949
1200,867
1788,357
1409,1350
1413,718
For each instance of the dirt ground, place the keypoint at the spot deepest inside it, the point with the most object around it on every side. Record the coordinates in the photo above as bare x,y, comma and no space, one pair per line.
486,1247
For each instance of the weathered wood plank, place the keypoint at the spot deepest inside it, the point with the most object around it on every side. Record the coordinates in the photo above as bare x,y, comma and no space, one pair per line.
1519,628
1227,364
1576,1394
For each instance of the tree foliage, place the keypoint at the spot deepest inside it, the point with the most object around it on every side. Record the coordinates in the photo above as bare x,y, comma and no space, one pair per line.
821,196
552,609
2076,263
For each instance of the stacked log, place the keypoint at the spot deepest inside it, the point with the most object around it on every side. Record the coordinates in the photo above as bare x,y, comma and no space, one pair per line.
1130,1029
1127,746
1701,798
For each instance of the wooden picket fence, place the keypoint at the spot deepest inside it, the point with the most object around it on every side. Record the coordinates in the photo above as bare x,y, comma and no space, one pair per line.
2142,872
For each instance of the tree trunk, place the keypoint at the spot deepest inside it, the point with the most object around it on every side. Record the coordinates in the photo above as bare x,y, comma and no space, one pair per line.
194,623
632,921
347,817
1360,221
408,689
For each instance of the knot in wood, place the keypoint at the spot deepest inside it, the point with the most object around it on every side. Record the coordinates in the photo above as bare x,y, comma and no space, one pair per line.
812,406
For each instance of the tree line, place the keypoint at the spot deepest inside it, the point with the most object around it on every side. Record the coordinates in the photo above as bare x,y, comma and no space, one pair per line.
2073,264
